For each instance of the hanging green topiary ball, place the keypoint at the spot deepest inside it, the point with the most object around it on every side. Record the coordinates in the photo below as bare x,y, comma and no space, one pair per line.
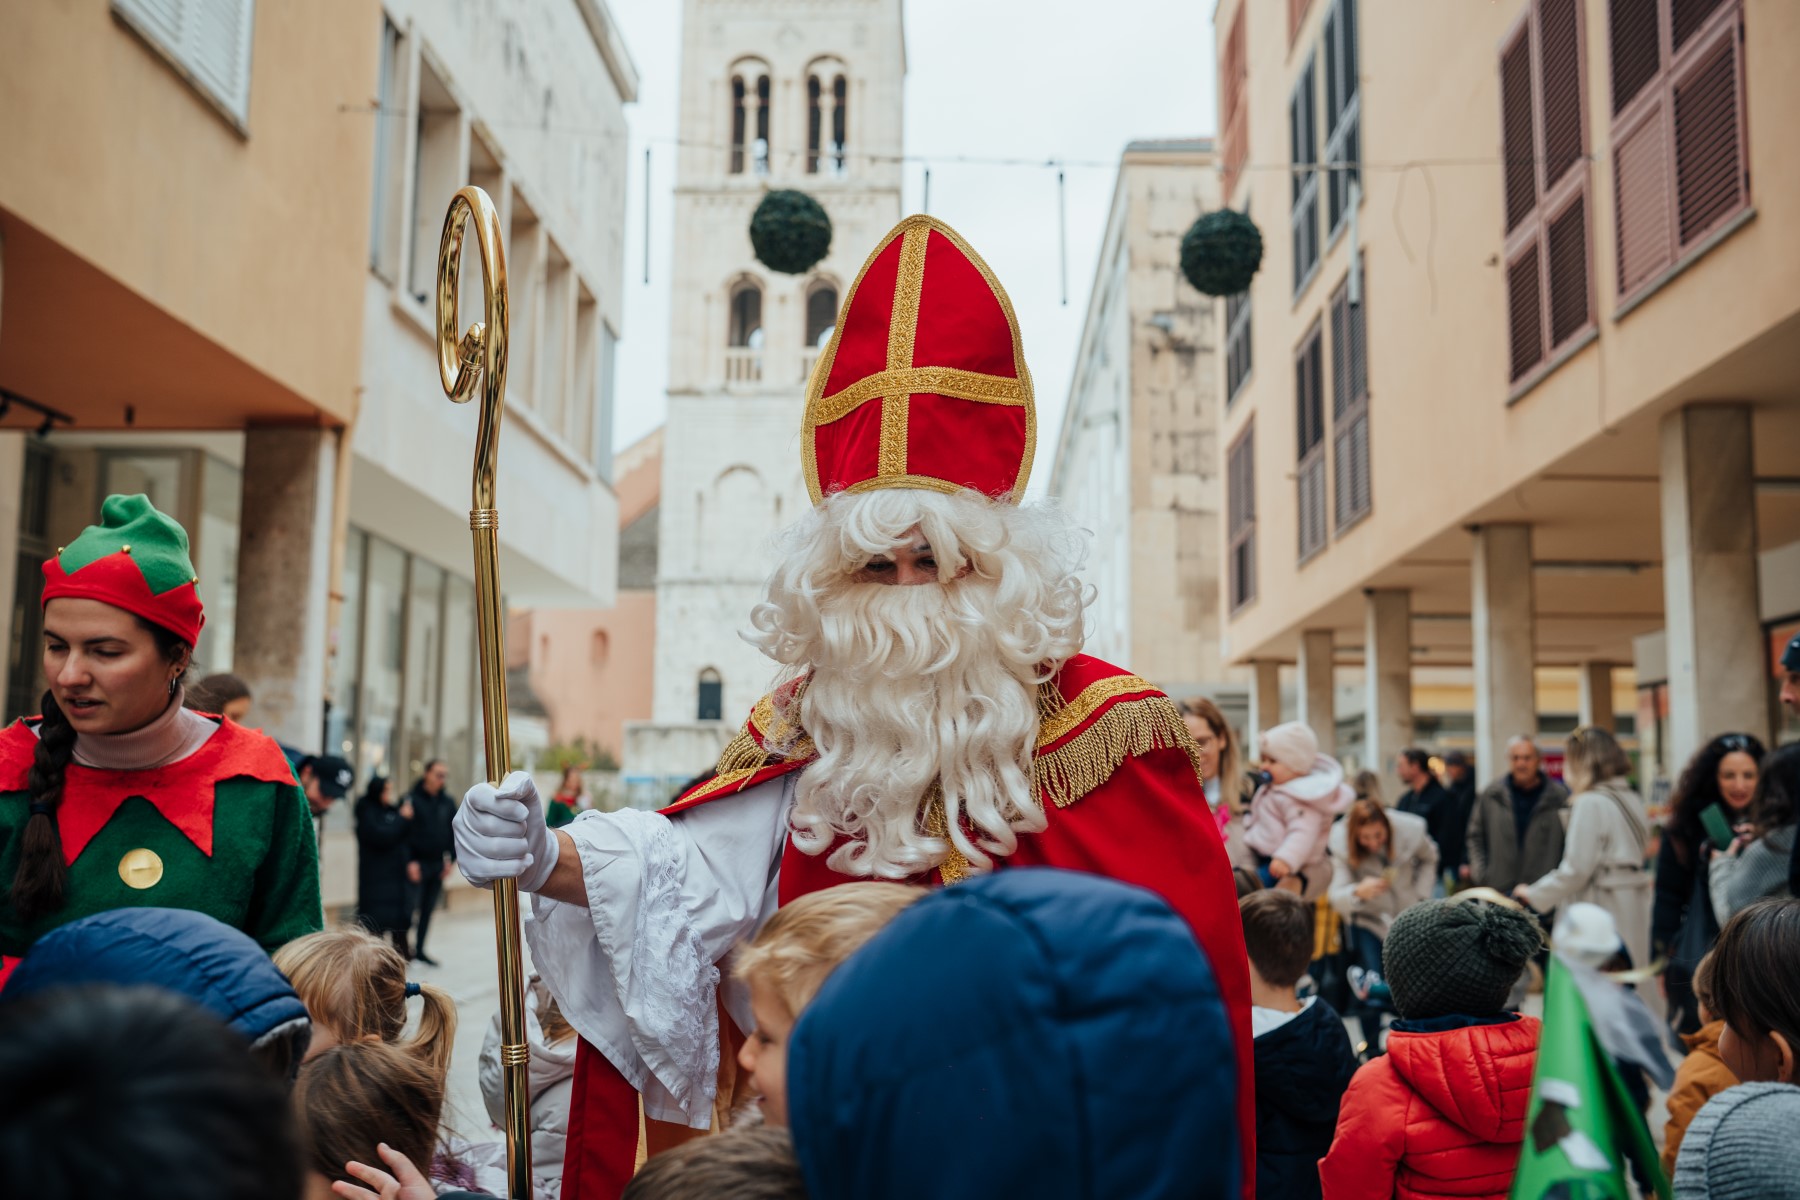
790,232
1221,252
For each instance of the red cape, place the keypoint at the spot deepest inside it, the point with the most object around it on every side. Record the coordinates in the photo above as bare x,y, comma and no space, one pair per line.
1116,772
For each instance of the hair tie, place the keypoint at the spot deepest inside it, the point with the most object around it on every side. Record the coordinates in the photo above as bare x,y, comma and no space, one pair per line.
412,989
40,808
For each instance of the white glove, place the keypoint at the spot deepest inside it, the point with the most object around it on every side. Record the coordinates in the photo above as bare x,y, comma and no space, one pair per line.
500,834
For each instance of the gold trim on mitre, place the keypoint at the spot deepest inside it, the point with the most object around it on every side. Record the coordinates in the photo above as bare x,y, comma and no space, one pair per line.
893,387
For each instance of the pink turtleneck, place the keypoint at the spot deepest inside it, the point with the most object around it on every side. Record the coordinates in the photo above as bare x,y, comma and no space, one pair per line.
168,739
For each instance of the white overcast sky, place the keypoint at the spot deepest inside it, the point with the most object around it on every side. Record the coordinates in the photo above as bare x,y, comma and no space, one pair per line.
1053,79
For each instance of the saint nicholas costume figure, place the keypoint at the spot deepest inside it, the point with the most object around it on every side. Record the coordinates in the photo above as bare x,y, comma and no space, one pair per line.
921,733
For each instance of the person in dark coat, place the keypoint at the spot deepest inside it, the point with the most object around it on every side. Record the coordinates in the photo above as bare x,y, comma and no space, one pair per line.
1304,1060
1459,782
433,846
198,957
1030,1032
1516,829
1682,924
1426,797
385,872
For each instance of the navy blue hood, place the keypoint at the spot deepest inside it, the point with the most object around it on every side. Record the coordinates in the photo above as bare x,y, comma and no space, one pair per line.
206,961
1032,1032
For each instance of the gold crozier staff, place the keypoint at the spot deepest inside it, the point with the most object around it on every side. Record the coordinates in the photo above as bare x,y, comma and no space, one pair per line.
480,356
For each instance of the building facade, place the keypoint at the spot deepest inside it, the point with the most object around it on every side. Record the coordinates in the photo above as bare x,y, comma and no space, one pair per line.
223,274
591,670
527,102
1137,459
1511,403
182,232
787,94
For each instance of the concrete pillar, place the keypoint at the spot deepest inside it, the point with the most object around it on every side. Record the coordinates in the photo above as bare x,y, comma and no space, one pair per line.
1318,699
1265,701
1504,621
284,566
1718,669
1387,713
1597,695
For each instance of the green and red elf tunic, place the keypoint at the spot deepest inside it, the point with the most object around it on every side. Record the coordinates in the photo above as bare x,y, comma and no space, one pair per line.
225,830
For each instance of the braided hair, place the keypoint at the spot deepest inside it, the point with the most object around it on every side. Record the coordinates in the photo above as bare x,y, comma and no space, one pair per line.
39,884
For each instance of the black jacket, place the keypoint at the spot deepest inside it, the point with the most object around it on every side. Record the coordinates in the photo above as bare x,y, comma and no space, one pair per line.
433,843
1302,1070
1680,868
1453,846
1435,804
383,893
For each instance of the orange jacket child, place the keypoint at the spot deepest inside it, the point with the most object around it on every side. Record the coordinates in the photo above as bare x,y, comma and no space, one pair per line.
1701,1076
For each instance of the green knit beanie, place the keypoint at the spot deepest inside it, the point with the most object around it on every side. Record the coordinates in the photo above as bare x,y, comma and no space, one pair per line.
1450,956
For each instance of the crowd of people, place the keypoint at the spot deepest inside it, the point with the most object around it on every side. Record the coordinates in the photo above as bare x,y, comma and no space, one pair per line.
1091,950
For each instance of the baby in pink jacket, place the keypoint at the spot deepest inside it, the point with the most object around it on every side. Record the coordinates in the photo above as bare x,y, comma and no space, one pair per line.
1291,815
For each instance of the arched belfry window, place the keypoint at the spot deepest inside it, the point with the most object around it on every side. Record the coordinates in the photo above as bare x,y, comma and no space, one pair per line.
746,330
750,91
821,313
827,116
712,696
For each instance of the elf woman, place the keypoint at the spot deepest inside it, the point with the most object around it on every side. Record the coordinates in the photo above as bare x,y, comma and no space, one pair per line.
119,796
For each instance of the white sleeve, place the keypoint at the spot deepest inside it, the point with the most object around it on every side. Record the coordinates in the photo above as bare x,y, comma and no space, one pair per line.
635,972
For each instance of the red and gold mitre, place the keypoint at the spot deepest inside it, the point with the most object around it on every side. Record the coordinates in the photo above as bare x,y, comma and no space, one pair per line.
923,384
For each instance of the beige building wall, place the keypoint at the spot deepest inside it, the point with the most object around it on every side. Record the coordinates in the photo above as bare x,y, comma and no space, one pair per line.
1137,460
168,267
1577,450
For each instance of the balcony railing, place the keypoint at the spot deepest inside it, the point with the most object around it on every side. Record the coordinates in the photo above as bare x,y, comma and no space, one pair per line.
743,364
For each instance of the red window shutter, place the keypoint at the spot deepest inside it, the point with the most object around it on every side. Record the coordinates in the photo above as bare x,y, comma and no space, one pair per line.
1525,311
1568,272
1561,51
1636,49
1641,198
1687,16
1516,145
1709,149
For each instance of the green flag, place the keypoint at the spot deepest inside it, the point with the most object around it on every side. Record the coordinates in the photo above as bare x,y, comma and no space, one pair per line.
1582,1124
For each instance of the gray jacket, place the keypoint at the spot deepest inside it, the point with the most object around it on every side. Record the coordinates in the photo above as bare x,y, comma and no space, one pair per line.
1493,842
1760,869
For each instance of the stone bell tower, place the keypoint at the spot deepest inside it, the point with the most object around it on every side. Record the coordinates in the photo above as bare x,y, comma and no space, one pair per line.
802,94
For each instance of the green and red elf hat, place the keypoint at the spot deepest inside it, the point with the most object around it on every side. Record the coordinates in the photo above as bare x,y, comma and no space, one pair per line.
135,559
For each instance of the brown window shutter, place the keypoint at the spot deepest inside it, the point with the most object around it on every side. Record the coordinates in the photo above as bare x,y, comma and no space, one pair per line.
1568,257
1525,312
1340,358
1709,148
1234,137
1636,48
1559,38
1312,505
1641,198
1516,145
1687,16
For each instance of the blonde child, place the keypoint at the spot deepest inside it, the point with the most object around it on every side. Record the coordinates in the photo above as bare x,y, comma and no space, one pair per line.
355,988
787,962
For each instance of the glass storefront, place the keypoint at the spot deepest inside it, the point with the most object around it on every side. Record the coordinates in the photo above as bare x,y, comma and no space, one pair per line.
404,688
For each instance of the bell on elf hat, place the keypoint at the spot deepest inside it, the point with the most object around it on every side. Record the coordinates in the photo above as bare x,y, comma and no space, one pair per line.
923,383
135,559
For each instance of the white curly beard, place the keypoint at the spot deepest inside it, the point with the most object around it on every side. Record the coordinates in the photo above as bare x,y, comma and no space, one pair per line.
914,686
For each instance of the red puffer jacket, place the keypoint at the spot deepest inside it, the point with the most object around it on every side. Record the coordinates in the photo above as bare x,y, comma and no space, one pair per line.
1442,1114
